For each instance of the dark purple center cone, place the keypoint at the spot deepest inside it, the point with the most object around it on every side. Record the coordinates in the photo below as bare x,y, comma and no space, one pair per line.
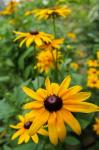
27,125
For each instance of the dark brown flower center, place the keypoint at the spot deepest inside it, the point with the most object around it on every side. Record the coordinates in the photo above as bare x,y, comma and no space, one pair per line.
53,103
27,125
34,32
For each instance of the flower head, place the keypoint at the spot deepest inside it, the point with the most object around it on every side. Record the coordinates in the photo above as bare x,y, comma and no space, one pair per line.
49,12
92,63
74,65
96,126
33,37
54,105
46,60
93,81
23,130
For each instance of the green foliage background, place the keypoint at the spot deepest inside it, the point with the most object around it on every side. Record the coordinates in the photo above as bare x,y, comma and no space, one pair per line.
16,68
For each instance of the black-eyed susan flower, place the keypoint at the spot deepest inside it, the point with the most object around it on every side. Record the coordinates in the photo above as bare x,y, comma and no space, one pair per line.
33,37
10,8
96,126
54,44
55,106
46,60
54,11
93,71
74,66
23,130
93,81
92,63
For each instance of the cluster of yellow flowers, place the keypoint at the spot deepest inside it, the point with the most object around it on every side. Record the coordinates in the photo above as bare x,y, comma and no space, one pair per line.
10,8
93,73
53,107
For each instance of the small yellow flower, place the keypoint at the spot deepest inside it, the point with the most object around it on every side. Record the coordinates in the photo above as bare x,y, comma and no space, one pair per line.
33,37
93,81
72,36
74,66
93,71
46,60
47,13
23,130
55,106
92,63
96,126
54,44
10,8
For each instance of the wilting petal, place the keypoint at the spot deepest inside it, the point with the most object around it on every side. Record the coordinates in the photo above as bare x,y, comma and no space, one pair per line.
31,93
81,96
64,85
52,128
61,129
71,121
33,105
83,107
35,138
39,121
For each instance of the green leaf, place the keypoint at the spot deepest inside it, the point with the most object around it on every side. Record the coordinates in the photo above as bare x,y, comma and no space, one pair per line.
71,140
38,82
30,146
5,147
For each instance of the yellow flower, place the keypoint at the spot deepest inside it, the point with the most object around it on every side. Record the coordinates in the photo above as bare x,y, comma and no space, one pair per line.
23,130
46,60
10,8
55,106
33,37
54,44
96,126
74,66
92,63
93,81
49,12
72,36
93,71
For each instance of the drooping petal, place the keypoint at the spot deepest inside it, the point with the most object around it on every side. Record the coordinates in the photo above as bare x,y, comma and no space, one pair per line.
35,138
52,128
39,121
33,105
71,121
31,93
29,41
61,129
81,96
64,85
83,107
19,132
19,125
38,41
27,137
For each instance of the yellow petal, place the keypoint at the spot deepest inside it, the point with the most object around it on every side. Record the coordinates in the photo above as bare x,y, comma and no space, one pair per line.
38,41
43,132
19,132
42,93
53,136
48,86
35,138
71,91
81,96
55,88
27,137
64,85
39,121
33,105
22,42
21,118
61,129
31,93
83,107
71,121
21,139
19,125
29,41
